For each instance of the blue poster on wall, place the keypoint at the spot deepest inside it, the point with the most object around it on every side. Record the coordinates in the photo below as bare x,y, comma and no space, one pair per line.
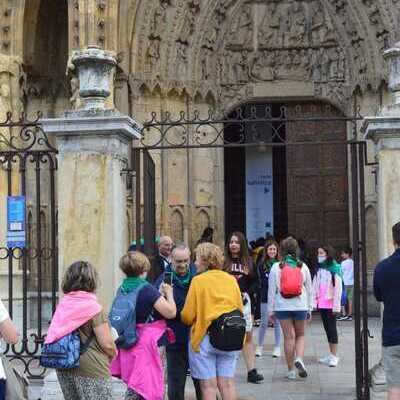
16,232
259,193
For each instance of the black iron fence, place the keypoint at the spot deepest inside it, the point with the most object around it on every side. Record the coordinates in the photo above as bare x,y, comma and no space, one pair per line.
298,130
29,273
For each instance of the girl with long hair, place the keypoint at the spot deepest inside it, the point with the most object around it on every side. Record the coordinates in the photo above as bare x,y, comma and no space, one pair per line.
238,263
327,289
291,308
267,258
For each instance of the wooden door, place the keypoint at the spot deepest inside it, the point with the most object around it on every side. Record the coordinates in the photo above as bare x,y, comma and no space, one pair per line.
317,180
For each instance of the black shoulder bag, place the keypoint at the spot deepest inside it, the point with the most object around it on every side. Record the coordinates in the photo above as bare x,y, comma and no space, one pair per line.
227,332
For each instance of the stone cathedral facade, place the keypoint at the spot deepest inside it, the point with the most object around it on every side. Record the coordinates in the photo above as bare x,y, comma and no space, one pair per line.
187,55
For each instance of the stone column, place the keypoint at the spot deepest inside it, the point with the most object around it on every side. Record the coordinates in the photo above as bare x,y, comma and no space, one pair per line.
93,145
384,130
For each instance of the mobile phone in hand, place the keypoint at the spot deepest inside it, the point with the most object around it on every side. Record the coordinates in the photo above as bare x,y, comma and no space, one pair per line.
168,278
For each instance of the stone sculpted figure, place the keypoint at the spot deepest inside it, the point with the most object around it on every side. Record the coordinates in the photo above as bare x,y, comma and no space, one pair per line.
212,34
5,96
188,24
12,85
297,24
241,32
240,66
205,62
159,19
262,68
182,59
269,28
153,56
316,66
75,100
334,64
317,22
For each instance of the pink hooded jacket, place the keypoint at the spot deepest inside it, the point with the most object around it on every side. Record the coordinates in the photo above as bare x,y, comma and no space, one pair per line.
140,366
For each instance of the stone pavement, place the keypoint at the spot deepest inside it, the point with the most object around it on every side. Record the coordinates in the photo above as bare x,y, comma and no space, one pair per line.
323,383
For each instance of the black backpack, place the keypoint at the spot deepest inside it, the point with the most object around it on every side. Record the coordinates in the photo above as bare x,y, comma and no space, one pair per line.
227,332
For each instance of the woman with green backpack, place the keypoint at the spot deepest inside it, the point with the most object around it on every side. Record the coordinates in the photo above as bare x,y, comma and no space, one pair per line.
327,293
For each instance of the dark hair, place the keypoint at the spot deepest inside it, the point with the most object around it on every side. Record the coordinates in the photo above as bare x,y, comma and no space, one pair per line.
396,233
80,275
348,250
264,254
207,235
260,242
330,252
290,247
243,255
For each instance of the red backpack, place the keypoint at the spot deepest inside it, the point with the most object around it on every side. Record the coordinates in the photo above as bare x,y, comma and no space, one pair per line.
291,280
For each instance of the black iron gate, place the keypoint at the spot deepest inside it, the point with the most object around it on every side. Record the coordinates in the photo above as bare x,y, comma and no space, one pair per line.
192,131
28,167
359,160
145,219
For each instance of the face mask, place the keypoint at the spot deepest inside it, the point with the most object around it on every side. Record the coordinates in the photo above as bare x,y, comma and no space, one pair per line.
321,259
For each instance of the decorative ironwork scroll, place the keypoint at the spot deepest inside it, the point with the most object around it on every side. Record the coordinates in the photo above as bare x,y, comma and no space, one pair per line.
28,166
255,125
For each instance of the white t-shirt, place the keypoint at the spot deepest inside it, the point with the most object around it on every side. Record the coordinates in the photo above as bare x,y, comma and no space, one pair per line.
3,316
348,272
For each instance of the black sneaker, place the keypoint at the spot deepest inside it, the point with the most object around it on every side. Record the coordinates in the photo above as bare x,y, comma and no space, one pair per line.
254,377
349,318
341,318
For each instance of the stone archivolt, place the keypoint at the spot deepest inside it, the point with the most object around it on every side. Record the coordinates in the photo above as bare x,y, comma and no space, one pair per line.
227,45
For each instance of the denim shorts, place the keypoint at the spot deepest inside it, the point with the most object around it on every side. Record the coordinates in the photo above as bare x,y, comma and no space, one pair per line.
293,315
209,362
391,364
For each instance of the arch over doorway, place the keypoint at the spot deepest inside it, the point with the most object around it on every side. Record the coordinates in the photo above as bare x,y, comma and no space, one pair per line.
234,49
45,54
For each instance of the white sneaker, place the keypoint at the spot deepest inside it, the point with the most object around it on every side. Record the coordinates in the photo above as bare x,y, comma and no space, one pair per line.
291,375
299,364
259,351
325,360
277,352
334,361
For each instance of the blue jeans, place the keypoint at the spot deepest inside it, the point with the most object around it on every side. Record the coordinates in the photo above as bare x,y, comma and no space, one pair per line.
264,326
293,315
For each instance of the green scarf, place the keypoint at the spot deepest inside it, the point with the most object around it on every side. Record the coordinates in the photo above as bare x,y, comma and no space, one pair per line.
291,261
131,283
334,268
269,263
184,280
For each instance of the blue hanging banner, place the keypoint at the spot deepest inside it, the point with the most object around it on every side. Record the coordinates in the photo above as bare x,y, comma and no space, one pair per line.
16,232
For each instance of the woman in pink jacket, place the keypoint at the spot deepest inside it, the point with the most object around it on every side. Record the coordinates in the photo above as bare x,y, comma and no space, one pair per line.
327,291
140,366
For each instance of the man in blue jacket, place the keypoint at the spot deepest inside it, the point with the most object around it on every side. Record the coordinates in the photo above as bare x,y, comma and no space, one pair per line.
386,289
177,353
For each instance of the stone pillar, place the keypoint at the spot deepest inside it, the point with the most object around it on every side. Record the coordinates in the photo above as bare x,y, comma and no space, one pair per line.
93,145
384,130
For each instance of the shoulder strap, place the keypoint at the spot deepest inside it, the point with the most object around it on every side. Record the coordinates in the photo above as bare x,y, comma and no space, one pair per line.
85,345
